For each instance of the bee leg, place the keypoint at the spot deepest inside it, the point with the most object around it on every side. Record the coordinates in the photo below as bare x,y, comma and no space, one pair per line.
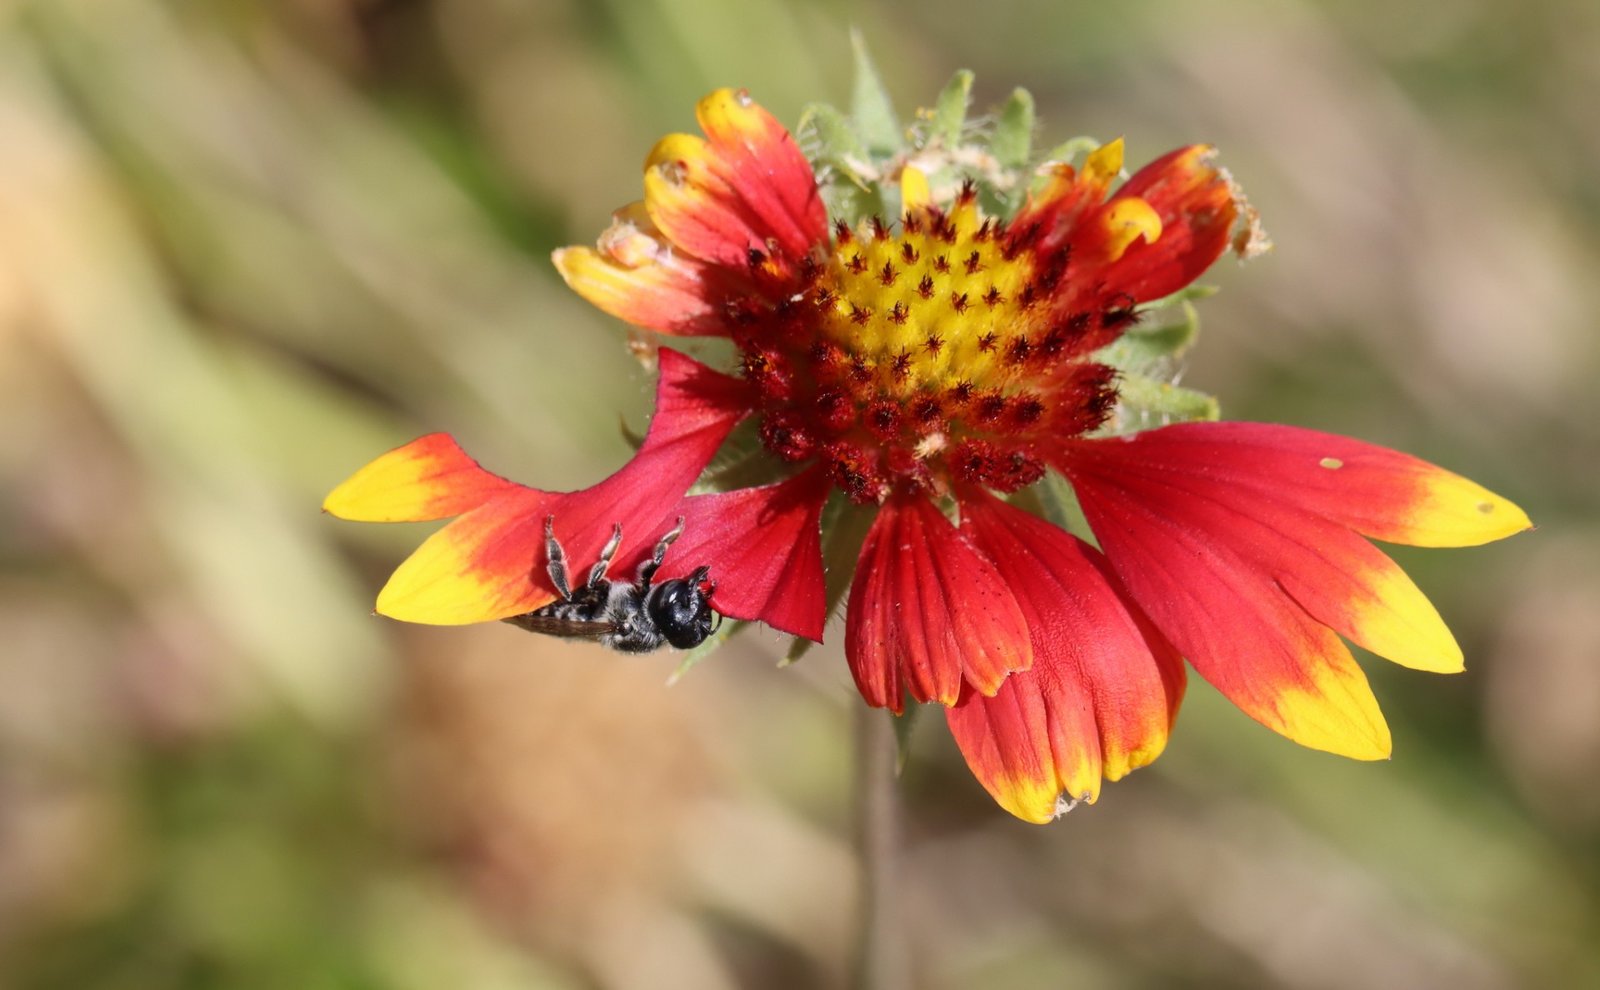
597,573
556,559
647,570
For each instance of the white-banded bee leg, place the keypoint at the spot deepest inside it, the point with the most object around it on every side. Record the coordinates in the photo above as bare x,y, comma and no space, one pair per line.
597,573
555,559
647,570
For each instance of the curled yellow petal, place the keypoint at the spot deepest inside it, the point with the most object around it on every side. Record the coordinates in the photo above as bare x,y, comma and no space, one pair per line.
1127,220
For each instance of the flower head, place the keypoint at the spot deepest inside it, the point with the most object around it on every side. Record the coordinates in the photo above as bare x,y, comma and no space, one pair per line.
924,367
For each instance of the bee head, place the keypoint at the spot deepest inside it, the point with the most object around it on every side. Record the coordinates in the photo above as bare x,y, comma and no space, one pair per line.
681,608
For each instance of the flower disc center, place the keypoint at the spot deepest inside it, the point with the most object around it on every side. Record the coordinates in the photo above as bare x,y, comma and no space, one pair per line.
923,355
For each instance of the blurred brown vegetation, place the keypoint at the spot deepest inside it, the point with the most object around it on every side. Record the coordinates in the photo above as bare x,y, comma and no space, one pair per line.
247,245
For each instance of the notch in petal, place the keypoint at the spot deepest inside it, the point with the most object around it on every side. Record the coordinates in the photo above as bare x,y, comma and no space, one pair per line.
1104,688
927,612
1339,578
1208,588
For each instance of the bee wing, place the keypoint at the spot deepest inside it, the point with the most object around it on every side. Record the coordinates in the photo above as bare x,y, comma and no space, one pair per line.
548,625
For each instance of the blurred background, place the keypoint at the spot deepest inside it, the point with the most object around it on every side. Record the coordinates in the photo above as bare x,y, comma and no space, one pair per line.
247,245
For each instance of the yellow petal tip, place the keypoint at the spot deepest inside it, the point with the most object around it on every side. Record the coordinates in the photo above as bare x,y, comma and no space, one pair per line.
1105,162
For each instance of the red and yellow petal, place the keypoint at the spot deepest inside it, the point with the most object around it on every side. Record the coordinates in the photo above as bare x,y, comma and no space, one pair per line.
1055,212
634,275
490,562
1209,576
745,187
1104,688
1382,493
1333,573
428,478
1187,203
767,549
928,613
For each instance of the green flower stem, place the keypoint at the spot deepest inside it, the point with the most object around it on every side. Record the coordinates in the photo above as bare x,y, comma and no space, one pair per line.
881,960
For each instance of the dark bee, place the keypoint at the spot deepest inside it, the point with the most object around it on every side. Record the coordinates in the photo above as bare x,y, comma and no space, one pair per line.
629,618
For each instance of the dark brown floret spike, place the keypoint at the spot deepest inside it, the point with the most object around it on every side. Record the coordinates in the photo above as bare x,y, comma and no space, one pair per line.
993,297
933,345
853,471
970,461
911,223
882,420
880,230
1018,238
828,360
986,342
856,264
842,233
941,264
1053,344
909,253
927,409
1119,312
1019,350
888,274
835,411
1015,470
859,315
784,433
958,302
925,287
1026,410
899,313
990,408
900,367
974,263
968,194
